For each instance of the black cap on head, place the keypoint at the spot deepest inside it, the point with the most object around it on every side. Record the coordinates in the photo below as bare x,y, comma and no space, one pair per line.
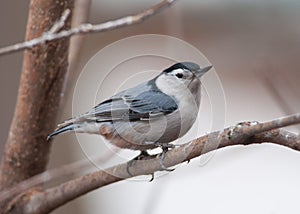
183,65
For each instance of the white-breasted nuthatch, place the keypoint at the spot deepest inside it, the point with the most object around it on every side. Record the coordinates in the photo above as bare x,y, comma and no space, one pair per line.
149,115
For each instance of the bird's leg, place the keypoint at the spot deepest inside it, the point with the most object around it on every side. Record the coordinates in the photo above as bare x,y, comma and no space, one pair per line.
142,155
165,148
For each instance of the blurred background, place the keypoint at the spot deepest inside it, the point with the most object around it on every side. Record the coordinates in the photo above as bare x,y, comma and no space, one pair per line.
254,47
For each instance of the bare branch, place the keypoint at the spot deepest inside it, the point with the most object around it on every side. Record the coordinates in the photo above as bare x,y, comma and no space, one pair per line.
273,124
51,175
80,16
242,134
58,25
88,28
41,82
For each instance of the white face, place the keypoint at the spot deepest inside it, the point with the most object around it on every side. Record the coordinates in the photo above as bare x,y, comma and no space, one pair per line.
180,76
176,82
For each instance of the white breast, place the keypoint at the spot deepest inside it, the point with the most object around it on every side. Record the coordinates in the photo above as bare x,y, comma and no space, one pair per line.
188,106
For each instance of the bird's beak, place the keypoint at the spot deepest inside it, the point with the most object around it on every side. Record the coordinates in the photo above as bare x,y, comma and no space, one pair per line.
202,71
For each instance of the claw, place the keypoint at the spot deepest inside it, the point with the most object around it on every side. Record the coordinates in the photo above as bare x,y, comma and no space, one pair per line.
142,155
165,148
129,164
152,177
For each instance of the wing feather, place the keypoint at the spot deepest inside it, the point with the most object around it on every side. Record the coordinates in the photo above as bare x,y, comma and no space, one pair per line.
144,106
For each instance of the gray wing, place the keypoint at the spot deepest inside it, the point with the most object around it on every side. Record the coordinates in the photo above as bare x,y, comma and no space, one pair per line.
123,106
144,106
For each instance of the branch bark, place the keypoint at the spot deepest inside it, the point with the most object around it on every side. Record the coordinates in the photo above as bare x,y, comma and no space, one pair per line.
242,134
44,68
88,28
52,175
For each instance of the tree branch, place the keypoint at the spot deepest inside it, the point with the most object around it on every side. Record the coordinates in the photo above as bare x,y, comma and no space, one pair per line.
51,175
59,24
242,134
80,16
88,28
42,77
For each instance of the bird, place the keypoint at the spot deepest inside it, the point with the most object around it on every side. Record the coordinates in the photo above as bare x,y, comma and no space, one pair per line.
152,114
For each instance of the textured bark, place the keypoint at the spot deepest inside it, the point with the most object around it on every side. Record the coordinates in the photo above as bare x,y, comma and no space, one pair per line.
44,68
46,200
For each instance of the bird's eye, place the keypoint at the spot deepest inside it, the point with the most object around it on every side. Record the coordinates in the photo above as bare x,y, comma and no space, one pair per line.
179,75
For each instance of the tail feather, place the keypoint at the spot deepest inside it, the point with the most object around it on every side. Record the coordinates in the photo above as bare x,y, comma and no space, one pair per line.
66,128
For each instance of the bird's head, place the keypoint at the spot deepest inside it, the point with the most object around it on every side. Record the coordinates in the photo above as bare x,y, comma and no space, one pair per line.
181,75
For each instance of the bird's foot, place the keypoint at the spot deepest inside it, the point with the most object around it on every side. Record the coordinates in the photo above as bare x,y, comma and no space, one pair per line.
165,148
142,155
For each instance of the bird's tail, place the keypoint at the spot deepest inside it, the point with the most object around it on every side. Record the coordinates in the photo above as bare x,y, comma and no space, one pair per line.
66,128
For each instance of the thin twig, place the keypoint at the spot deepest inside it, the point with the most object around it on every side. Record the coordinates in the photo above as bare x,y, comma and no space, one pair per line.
80,16
88,28
242,134
58,25
256,127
